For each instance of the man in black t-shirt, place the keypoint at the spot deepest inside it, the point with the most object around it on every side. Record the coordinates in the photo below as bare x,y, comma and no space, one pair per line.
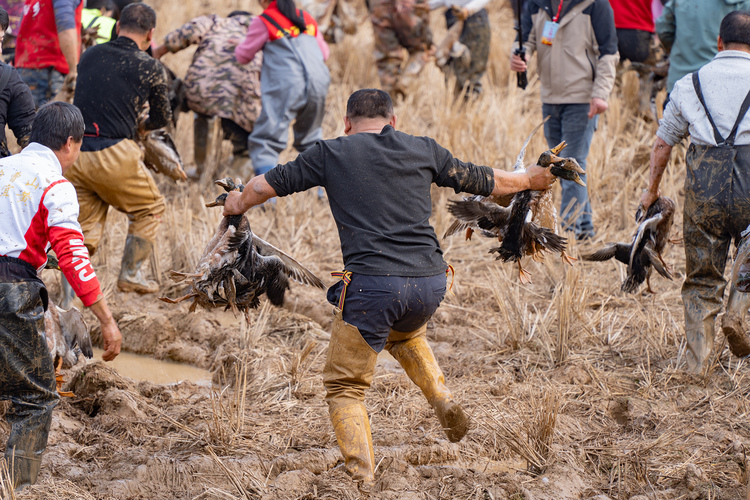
115,80
378,184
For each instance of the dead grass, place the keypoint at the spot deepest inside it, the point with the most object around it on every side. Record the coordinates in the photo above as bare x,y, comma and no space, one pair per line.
566,376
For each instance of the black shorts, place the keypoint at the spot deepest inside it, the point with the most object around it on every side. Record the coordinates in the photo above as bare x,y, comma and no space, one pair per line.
378,304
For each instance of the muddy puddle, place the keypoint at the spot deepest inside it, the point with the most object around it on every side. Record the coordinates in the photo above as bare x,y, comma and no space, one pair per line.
145,368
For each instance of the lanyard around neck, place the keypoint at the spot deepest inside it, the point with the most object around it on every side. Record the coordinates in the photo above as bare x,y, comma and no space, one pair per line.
559,9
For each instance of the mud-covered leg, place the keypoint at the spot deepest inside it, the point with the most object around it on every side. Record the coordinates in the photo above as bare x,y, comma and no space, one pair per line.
414,354
348,372
28,378
706,248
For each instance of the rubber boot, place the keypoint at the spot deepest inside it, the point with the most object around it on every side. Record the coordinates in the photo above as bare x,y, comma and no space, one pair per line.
26,444
67,295
352,428
200,145
137,250
416,358
347,374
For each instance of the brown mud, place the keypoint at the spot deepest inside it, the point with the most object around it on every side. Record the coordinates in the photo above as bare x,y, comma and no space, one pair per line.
575,390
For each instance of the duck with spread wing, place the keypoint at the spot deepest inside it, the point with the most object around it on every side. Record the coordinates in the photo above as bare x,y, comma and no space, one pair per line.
237,266
525,223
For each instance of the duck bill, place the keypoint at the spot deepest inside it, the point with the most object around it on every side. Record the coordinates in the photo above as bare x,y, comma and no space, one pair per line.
214,204
578,181
556,150
574,166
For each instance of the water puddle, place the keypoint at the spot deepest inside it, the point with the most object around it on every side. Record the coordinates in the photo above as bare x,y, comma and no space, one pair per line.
158,371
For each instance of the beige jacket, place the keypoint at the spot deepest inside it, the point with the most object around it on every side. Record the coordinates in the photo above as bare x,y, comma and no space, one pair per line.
580,63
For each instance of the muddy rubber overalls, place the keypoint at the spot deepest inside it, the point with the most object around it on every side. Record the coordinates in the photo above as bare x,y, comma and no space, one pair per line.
26,371
717,209
294,83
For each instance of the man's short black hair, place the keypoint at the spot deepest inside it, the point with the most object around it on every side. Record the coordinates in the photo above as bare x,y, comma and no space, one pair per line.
138,18
369,103
54,123
735,27
4,19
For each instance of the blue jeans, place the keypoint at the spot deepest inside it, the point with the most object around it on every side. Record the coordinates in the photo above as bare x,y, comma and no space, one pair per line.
570,123
377,304
44,83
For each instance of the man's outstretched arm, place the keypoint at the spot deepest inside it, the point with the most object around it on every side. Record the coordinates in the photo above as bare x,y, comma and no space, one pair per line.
535,178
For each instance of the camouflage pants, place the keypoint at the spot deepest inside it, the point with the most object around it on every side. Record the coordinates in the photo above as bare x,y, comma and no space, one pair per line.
26,368
717,209
397,26
476,37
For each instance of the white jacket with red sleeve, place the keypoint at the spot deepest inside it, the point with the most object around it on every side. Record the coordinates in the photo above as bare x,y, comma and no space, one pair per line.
39,209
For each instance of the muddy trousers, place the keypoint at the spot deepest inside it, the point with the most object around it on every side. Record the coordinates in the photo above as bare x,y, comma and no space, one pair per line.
116,176
717,209
28,375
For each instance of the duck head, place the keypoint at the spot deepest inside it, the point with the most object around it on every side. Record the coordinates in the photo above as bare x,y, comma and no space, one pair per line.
550,156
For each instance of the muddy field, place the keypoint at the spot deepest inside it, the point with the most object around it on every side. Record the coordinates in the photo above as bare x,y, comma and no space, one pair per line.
575,390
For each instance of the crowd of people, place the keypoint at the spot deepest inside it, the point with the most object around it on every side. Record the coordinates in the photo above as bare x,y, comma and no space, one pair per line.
261,74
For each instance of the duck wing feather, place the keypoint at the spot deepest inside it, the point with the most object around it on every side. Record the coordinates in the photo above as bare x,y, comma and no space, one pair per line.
290,266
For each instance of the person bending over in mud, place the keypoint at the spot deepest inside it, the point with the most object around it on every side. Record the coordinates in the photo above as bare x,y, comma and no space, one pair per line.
378,184
40,208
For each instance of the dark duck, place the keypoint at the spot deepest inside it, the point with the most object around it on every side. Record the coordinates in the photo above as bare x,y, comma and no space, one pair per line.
525,225
644,251
237,267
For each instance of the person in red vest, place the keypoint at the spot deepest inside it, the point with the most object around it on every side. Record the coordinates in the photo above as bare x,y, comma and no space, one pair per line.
48,46
293,80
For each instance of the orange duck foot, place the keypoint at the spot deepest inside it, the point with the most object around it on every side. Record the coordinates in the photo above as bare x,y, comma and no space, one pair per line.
59,381
469,232
523,275
567,258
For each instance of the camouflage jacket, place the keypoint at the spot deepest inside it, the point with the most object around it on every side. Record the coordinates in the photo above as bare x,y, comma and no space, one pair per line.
216,84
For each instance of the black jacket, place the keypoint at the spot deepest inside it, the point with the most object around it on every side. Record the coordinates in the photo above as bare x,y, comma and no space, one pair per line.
16,111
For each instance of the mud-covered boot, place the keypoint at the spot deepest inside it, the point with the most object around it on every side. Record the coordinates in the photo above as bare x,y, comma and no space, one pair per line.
137,250
350,364
200,145
419,363
67,295
26,444
352,428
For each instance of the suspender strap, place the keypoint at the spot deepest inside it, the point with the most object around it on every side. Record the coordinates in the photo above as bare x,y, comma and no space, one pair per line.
741,116
346,277
275,24
697,85
729,141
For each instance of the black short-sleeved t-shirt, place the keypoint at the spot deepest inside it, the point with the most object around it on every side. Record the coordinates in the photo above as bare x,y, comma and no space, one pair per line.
115,80
378,186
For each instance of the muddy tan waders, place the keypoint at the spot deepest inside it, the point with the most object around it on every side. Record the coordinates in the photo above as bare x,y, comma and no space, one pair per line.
348,373
413,352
